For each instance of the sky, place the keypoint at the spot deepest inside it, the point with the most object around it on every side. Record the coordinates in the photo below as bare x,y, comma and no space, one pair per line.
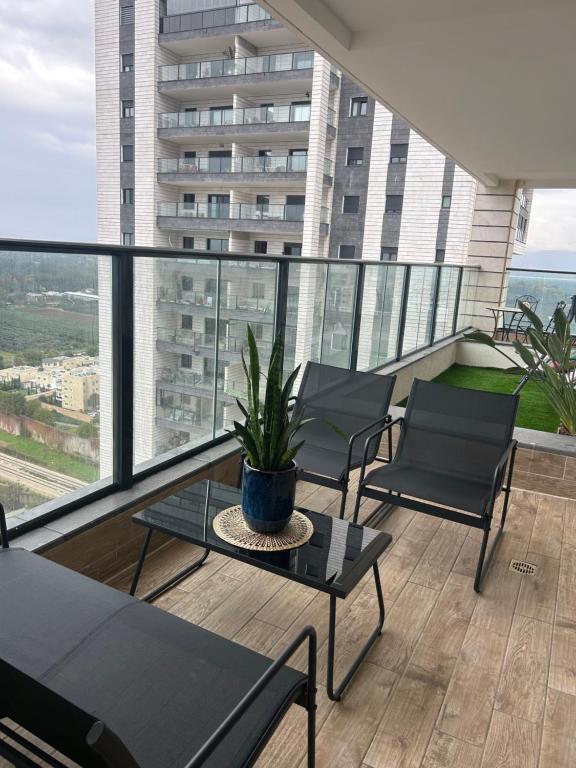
47,131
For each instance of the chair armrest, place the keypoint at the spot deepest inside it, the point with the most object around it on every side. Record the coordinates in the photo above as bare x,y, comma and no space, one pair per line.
504,459
386,427
356,435
308,634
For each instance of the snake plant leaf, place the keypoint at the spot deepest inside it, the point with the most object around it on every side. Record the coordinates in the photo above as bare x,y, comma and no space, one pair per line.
525,354
532,316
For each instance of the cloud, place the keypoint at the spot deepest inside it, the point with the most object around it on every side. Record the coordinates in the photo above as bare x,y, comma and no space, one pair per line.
47,133
553,220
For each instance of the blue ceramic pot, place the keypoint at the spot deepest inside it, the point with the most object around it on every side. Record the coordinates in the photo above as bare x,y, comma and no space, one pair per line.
268,498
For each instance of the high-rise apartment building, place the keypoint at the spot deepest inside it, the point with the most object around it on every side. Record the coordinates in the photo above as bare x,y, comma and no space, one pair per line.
218,130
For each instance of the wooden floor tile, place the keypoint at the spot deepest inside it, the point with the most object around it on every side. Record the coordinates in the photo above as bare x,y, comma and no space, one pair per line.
511,743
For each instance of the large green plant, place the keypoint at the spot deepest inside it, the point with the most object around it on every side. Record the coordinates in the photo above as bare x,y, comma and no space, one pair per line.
548,360
266,436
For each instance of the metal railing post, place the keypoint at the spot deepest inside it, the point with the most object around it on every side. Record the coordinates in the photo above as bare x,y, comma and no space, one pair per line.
435,296
281,309
123,369
216,346
403,310
457,301
357,318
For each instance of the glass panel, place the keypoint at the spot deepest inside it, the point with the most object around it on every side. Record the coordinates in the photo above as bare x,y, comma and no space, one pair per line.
419,308
339,314
381,306
304,315
55,378
467,308
247,297
447,290
548,288
174,354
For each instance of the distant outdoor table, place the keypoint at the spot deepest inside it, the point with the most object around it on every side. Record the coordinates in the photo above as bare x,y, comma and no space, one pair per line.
333,561
497,311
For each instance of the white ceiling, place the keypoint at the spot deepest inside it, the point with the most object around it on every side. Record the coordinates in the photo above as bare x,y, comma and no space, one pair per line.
492,83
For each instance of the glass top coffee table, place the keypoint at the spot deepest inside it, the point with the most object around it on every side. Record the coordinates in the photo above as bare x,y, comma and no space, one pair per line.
333,561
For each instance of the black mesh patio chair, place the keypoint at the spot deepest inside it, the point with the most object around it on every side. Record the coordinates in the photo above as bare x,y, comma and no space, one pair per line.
354,401
450,461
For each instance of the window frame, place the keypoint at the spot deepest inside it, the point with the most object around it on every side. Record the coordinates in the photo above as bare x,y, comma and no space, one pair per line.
354,162
362,103
344,245
389,208
348,198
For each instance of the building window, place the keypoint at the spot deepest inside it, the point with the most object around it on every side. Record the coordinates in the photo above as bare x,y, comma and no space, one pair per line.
127,153
446,201
127,238
127,108
127,14
440,255
188,242
394,203
185,361
292,249
187,283
388,254
216,244
187,322
258,290
398,153
350,204
260,246
346,251
127,62
128,196
355,156
521,228
358,106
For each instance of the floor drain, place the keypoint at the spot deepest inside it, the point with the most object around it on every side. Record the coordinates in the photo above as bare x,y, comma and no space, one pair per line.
520,566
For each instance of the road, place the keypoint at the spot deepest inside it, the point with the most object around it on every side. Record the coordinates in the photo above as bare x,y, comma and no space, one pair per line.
44,481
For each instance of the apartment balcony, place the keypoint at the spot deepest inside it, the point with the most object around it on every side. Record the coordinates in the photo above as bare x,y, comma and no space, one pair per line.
180,341
283,170
203,304
282,122
253,76
241,217
199,31
182,382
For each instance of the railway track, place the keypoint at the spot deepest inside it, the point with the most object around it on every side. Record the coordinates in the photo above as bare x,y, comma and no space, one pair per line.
45,481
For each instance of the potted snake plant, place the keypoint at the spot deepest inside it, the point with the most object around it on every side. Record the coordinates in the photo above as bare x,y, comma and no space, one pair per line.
550,363
267,440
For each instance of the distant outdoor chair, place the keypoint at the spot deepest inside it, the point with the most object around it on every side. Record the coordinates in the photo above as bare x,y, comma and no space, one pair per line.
451,459
354,401
520,323
550,326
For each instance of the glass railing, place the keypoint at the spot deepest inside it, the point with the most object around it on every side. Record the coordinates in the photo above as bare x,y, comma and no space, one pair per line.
84,358
269,164
207,118
548,288
332,117
219,17
251,211
251,65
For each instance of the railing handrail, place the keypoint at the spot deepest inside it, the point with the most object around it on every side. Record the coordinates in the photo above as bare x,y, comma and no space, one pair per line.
236,116
112,249
542,271
248,164
238,66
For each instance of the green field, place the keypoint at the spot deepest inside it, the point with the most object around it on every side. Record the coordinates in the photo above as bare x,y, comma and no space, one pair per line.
534,411
24,448
51,331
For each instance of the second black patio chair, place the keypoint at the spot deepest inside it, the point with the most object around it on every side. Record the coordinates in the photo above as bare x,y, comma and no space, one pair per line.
451,458
354,401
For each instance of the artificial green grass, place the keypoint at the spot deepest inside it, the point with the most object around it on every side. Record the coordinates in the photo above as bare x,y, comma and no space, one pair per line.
534,411
25,448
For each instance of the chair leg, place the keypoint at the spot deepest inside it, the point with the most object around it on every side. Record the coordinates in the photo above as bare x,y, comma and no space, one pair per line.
343,501
507,489
480,566
357,504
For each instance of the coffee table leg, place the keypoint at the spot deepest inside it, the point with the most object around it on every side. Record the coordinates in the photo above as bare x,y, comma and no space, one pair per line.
336,695
180,576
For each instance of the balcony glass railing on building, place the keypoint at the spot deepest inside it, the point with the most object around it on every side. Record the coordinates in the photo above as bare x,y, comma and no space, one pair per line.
206,118
235,13
548,288
251,65
267,164
92,309
249,211
228,302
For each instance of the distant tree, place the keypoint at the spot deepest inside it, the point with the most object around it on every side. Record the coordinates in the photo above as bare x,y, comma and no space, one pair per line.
13,402
87,430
